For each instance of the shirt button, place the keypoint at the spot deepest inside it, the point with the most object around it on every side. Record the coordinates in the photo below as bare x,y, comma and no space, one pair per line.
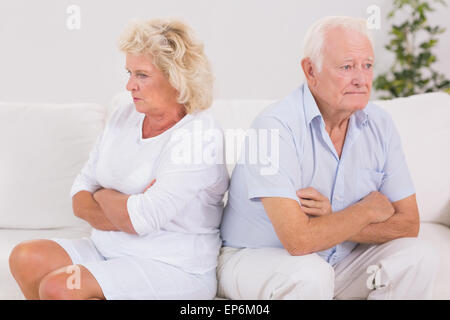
338,198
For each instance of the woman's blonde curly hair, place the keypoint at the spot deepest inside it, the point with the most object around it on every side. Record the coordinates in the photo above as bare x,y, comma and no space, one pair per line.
178,54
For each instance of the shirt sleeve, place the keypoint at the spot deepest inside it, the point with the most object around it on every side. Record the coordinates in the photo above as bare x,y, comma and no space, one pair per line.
277,163
86,179
176,186
397,183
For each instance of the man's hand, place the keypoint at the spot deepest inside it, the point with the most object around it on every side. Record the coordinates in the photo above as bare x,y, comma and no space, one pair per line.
375,203
378,207
404,222
313,202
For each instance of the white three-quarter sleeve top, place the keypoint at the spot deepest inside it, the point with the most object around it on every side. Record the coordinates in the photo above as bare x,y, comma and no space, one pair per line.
177,219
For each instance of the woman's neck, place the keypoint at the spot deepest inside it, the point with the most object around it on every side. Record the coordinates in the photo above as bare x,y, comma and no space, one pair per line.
155,124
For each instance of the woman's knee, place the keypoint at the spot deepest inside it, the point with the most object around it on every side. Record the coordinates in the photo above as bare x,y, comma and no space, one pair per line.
54,286
35,258
24,258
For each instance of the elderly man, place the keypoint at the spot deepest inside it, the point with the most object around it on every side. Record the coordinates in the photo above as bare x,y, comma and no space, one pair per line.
338,218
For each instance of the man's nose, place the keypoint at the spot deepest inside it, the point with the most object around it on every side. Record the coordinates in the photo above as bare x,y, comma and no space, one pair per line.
359,78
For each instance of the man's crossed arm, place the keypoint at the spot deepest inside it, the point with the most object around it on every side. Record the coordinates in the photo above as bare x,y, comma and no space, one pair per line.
311,228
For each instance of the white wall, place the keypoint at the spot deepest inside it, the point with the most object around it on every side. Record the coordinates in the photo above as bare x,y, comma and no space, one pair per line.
254,45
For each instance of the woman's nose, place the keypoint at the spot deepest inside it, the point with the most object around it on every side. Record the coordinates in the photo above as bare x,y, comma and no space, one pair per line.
131,84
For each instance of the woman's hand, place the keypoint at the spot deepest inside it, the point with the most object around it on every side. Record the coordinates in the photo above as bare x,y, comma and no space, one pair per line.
114,205
97,194
151,183
313,202
86,207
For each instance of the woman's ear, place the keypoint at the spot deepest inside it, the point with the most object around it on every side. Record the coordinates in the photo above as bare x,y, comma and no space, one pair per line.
309,71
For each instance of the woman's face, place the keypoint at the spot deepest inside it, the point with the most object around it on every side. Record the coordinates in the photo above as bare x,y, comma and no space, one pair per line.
151,91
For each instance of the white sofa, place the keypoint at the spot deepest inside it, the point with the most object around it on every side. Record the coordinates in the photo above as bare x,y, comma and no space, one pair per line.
45,145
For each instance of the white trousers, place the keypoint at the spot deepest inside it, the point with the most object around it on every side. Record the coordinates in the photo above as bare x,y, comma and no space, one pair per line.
404,268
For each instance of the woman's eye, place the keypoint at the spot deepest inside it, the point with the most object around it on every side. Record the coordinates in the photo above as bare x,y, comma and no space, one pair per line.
141,75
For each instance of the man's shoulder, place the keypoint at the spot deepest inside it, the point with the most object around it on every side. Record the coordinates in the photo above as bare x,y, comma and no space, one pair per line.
377,115
287,111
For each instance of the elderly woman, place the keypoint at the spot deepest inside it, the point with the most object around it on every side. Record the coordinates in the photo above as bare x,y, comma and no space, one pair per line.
155,218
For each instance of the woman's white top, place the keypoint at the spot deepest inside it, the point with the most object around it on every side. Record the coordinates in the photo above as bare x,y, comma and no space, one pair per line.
177,219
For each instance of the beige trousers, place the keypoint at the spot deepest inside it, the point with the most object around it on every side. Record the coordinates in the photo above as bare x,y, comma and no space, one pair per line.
404,268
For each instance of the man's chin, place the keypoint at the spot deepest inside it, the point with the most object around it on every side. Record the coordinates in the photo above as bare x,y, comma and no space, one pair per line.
357,102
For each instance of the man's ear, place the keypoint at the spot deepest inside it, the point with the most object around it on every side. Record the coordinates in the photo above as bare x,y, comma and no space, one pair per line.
309,71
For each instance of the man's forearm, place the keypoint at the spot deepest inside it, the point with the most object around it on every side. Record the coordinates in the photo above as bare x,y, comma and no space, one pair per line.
395,227
327,231
85,207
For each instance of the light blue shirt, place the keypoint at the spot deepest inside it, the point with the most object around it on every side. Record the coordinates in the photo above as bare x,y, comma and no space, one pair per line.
371,160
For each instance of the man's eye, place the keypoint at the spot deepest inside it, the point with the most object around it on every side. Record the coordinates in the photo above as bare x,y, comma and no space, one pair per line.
369,65
347,67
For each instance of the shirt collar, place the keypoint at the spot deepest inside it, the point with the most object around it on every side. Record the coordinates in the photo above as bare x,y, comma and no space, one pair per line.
312,110
361,117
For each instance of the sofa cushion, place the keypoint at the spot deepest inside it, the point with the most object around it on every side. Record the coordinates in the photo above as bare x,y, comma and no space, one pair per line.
236,116
44,147
439,236
423,122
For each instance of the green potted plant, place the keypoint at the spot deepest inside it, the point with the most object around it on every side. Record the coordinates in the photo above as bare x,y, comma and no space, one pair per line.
412,72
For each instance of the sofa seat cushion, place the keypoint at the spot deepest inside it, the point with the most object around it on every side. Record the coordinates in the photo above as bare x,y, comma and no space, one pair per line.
439,236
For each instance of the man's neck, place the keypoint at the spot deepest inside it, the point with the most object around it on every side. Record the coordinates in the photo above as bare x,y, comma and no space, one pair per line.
334,120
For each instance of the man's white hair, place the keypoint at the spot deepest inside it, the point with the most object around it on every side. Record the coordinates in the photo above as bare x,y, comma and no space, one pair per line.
314,38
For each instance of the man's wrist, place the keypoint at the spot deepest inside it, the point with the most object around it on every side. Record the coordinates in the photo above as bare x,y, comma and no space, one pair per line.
365,211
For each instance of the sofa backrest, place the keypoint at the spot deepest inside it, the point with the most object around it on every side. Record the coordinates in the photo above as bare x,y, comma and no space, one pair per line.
43,147
423,122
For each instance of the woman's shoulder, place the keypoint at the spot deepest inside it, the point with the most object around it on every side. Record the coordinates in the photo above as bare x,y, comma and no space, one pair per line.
204,119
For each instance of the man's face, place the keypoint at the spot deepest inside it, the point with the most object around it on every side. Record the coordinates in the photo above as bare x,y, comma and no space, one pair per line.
345,80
